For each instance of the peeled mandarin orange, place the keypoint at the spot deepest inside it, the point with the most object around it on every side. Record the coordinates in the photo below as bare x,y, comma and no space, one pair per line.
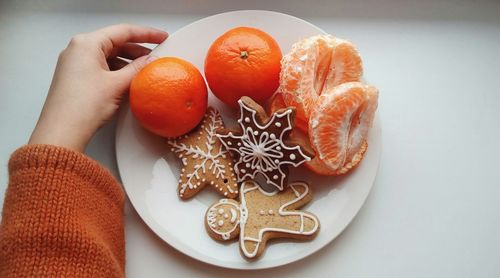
315,65
339,125
168,97
243,61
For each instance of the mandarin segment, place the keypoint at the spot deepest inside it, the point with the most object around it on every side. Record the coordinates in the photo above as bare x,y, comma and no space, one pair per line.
339,124
315,65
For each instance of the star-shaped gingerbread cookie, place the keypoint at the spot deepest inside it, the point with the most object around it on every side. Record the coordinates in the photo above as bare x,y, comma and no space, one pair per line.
262,145
205,160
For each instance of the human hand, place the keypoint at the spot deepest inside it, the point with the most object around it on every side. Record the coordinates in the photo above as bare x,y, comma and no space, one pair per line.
90,81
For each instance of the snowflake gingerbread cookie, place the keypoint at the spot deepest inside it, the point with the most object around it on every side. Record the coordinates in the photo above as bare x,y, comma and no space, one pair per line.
205,160
262,146
261,216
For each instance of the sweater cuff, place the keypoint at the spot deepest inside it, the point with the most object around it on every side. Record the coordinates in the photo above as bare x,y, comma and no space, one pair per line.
30,157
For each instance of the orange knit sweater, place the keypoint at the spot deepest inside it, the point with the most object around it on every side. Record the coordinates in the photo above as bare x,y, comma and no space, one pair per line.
62,216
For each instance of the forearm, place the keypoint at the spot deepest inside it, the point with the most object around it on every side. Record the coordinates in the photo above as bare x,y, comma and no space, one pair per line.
62,216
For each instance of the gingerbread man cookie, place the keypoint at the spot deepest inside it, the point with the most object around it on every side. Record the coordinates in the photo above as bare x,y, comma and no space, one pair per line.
262,146
261,216
205,160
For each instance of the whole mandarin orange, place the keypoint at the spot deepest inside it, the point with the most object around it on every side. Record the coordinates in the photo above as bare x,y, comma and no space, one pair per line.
244,61
169,97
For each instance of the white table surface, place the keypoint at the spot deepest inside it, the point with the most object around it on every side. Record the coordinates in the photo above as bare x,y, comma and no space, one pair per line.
435,208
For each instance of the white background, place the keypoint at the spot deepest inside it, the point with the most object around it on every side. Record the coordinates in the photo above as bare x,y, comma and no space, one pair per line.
435,208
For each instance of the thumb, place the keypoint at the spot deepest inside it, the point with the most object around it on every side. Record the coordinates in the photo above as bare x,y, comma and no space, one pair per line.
127,73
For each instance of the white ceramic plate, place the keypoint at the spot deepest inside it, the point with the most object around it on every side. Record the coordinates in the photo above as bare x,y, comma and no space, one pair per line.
149,171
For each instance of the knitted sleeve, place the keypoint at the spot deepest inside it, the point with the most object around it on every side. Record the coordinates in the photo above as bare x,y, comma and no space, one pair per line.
62,216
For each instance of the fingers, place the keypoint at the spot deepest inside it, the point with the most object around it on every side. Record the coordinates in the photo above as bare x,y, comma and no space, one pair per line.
132,51
124,76
117,35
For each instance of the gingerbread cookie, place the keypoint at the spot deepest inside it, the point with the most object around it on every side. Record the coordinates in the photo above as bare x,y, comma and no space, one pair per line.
261,216
205,160
262,146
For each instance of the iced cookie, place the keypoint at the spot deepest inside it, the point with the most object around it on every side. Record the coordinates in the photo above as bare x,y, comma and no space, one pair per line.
205,160
261,144
261,216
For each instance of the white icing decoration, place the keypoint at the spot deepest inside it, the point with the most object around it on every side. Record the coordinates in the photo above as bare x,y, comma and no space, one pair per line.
212,155
262,149
226,215
271,212
281,211
292,156
261,212
220,223
247,119
295,192
234,214
221,211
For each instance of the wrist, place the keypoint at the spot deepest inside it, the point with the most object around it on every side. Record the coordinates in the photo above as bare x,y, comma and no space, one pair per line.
63,133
